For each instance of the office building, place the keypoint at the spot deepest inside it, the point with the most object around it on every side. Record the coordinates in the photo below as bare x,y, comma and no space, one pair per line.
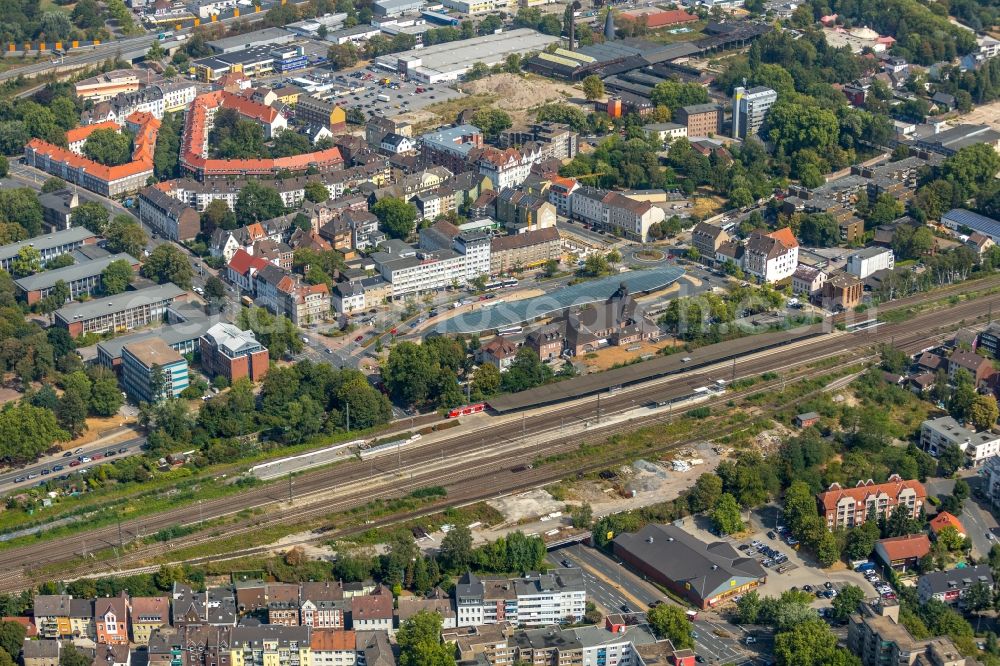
152,371
863,263
700,119
119,313
49,246
945,432
750,108
233,353
83,279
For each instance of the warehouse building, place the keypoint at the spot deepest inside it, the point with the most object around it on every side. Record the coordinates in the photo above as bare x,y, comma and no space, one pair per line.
265,37
706,574
449,61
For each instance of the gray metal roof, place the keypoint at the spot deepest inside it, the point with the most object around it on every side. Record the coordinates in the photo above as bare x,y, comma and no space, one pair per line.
41,243
47,279
173,335
708,568
942,581
974,221
119,302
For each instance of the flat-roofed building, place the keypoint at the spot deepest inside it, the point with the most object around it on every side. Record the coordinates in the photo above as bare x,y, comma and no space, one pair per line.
121,312
152,371
49,246
700,119
83,279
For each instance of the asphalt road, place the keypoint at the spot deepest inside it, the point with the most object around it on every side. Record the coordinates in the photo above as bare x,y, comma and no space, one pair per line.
31,475
976,518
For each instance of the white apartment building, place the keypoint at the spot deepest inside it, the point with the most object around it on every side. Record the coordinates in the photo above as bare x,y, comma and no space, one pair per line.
863,263
938,434
507,168
771,257
614,211
536,600
177,96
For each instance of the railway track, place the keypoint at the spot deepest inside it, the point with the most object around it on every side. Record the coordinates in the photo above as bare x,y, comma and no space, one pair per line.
912,334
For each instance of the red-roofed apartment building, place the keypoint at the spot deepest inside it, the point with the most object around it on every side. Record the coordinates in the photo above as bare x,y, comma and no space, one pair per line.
242,267
902,552
110,181
850,507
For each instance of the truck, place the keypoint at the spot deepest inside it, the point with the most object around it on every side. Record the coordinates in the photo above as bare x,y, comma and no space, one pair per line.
382,98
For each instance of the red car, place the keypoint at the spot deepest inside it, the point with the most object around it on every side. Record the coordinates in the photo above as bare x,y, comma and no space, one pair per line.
359,338
74,463
97,456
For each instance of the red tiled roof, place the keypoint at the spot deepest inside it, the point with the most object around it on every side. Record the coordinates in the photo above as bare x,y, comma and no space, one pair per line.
81,133
329,640
659,18
243,261
195,138
945,519
906,547
785,236
859,493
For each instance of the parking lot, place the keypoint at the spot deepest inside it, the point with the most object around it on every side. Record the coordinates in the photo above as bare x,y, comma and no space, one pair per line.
367,90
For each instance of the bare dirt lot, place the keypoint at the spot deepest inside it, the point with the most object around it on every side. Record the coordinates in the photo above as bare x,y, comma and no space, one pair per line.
987,114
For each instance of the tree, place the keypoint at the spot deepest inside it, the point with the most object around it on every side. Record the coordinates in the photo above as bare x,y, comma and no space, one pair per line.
155,52
316,191
670,622
486,380
4,167
109,147
810,643
217,216
124,234
342,56
583,516
551,267
726,515
70,656
257,202
527,371
490,24
593,87
27,261
419,640
71,413
214,288
847,601
105,397
491,121
977,598
396,216
12,637
116,277
168,263
456,549
950,538
819,229
748,607
674,95
91,215
706,492
984,412
53,184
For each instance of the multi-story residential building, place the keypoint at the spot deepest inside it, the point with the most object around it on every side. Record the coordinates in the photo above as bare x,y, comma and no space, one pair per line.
269,645
750,108
950,586
378,127
81,618
700,119
523,251
83,279
978,367
44,652
349,297
849,507
233,353
507,168
52,615
707,239
489,640
864,263
615,212
111,619
310,109
121,312
771,257
372,612
333,647
989,339
520,211
148,614
322,605
177,95
49,246
560,192
533,601
242,269
591,645
146,100
152,371
555,140
450,147
168,216
944,432
876,636
199,195
287,294
109,181
808,280
498,352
